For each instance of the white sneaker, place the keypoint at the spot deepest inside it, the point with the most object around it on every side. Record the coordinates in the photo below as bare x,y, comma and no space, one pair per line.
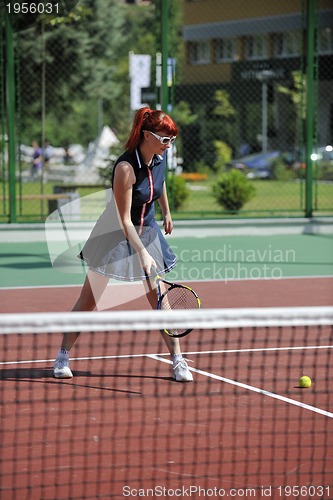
61,367
180,371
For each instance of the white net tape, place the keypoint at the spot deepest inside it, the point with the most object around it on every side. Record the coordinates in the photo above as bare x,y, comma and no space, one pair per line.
155,320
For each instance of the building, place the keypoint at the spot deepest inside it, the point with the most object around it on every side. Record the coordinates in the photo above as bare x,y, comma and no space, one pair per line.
256,52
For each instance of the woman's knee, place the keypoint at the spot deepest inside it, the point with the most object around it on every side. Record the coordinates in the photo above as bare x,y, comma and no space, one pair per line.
85,302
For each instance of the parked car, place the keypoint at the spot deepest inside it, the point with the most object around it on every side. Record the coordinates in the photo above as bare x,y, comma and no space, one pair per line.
325,154
258,165
322,155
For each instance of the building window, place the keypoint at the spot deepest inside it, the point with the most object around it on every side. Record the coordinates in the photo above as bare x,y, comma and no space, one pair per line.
326,41
287,44
226,50
199,52
256,47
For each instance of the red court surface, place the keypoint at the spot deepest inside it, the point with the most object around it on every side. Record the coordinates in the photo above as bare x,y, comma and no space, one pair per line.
121,426
288,292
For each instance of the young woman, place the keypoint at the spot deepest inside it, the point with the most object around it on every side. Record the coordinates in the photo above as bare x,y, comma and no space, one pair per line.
126,242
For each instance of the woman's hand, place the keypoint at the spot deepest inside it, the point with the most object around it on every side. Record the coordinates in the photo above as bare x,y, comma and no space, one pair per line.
167,223
147,262
164,204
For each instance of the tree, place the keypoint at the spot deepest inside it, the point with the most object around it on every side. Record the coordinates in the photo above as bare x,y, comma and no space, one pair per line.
78,61
297,94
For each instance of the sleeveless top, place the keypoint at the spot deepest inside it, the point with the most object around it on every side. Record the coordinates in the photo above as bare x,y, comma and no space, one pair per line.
148,186
107,251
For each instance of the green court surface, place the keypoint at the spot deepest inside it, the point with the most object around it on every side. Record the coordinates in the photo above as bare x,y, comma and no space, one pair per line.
26,263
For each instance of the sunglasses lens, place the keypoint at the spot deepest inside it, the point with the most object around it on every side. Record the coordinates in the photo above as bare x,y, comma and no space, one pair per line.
168,140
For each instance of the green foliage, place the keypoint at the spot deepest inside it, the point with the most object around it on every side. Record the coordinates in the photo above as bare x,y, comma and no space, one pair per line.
175,26
213,122
182,114
281,172
178,192
76,14
297,93
232,190
79,61
224,107
223,154
324,171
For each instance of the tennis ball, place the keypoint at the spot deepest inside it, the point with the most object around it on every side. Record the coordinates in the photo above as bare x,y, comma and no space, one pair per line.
305,381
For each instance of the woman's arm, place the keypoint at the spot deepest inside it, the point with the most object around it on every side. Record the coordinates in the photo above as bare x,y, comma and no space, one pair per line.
164,204
124,178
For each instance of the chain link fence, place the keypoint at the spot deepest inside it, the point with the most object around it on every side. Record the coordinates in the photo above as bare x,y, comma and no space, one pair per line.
239,96
245,78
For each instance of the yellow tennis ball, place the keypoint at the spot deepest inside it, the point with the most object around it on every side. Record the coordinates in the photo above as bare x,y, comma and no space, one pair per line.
305,381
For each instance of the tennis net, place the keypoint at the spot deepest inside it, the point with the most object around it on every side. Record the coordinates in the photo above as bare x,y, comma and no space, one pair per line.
123,428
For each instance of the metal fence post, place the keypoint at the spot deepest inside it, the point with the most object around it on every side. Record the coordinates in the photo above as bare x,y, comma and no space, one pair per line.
11,120
164,65
164,51
309,106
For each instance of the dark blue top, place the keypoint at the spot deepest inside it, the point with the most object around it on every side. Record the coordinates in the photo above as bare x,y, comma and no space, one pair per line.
107,251
148,186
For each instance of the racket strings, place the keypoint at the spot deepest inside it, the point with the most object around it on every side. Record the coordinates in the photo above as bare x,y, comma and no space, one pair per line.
178,298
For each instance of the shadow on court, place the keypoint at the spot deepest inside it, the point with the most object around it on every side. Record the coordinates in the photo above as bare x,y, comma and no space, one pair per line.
30,374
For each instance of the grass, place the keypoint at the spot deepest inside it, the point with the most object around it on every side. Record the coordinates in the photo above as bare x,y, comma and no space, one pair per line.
273,198
38,210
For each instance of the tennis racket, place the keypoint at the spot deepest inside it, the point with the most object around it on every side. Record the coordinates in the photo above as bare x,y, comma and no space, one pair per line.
176,297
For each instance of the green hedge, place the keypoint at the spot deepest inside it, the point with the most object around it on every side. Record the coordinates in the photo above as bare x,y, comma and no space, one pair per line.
232,190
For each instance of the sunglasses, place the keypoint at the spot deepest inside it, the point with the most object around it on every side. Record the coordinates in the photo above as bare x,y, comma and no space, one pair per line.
163,140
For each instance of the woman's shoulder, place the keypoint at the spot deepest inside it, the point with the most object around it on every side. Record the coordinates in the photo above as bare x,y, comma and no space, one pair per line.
127,157
127,164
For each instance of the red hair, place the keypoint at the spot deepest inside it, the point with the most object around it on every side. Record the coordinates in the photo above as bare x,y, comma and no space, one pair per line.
154,120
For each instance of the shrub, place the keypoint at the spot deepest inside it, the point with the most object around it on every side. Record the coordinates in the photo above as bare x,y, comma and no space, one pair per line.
324,171
178,191
223,153
281,172
232,190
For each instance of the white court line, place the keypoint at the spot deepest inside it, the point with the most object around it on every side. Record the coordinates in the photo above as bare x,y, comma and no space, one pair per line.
250,388
124,356
262,349
158,357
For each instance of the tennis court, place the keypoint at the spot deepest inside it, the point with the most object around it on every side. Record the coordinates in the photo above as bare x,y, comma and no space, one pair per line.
122,428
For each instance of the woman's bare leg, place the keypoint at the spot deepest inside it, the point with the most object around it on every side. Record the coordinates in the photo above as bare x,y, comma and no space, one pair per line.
172,343
91,293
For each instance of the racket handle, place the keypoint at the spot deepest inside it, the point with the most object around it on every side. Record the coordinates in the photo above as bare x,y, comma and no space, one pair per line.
152,275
